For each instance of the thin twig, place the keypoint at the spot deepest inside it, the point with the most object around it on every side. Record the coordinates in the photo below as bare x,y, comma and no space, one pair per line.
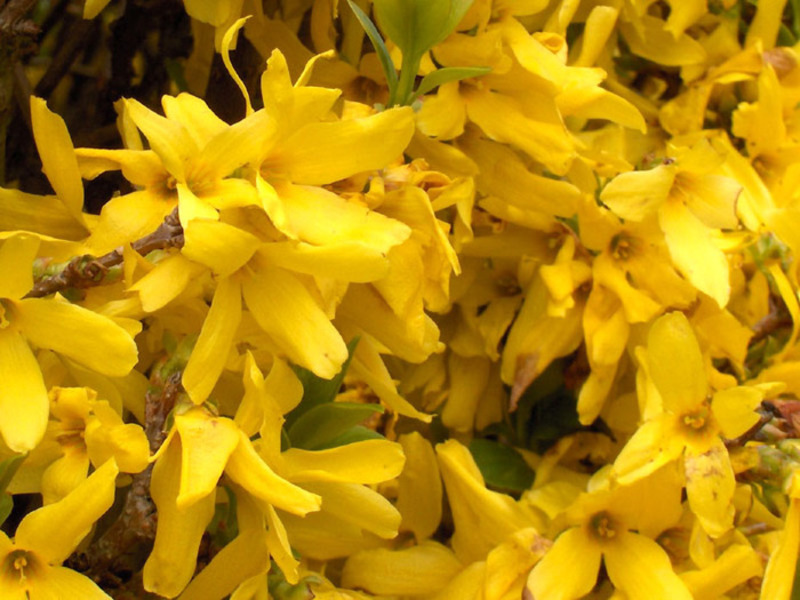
85,271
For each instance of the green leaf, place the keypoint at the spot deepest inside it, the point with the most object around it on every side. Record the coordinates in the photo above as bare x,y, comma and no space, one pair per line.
324,423
8,469
501,466
446,75
359,433
377,43
6,506
418,25
316,390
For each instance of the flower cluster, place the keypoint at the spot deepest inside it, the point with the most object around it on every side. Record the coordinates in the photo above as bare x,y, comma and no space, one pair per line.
510,298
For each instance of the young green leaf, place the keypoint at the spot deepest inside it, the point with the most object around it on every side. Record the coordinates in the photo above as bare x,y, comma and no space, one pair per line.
445,75
317,427
377,43
501,466
418,25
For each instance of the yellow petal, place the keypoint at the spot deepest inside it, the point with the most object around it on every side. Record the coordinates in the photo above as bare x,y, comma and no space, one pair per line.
375,513
244,557
694,251
321,153
125,219
169,139
765,26
419,487
92,8
319,217
636,194
676,364
56,530
64,475
16,264
442,116
279,546
84,336
284,309
196,117
469,378
140,167
410,339
780,573
346,260
172,562
230,149
126,443
66,583
641,568
59,162
482,518
504,174
654,445
248,469
736,565
45,215
166,282
423,569
23,397
573,547
206,444
221,247
210,352
598,103
599,25
370,461
212,12
710,484
735,409
228,42
650,39
540,133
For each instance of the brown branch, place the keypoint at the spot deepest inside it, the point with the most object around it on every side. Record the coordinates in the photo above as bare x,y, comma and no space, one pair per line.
12,18
86,271
77,40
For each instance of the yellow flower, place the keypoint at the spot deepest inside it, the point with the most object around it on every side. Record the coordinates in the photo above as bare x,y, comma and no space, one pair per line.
604,528
690,425
199,448
49,217
692,203
90,339
780,572
30,564
88,431
483,518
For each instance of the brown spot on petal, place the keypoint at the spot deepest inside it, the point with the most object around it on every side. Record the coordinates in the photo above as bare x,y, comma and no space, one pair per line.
527,371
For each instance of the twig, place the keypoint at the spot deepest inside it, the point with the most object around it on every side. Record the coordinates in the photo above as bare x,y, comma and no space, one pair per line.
12,15
75,42
85,271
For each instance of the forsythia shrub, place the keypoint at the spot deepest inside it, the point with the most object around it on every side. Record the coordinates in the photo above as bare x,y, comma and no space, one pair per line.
475,299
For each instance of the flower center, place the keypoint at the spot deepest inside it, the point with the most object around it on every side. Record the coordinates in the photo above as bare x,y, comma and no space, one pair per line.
20,565
603,526
698,420
622,247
